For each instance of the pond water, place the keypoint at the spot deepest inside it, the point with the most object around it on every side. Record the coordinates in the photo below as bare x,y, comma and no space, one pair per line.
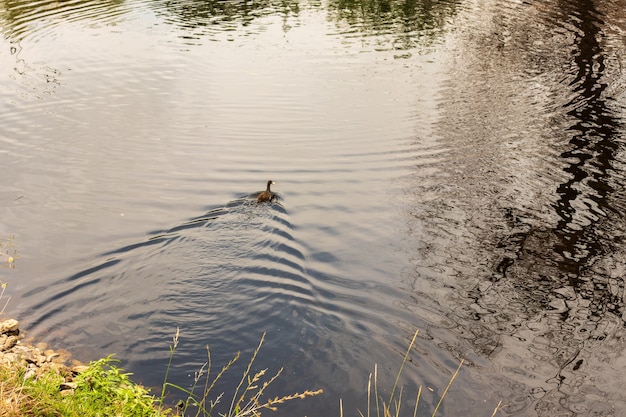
455,167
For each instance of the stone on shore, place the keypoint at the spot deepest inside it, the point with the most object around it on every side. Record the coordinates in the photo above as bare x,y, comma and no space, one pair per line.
34,361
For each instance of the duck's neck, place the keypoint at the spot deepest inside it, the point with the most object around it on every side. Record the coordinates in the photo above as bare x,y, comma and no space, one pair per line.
268,187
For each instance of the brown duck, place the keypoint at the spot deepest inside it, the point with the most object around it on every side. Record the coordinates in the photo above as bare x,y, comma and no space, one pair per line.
267,194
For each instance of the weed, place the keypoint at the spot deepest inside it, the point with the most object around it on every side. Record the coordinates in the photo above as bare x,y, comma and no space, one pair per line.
247,398
101,389
8,254
108,386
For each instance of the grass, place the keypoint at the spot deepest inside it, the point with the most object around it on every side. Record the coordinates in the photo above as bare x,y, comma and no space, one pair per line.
102,389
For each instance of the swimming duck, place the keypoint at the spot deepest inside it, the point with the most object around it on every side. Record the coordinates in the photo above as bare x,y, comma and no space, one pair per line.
267,194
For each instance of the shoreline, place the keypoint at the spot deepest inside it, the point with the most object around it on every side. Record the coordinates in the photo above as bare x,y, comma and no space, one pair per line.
38,380
35,360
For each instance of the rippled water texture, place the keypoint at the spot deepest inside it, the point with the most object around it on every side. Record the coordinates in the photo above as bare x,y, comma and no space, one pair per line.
455,167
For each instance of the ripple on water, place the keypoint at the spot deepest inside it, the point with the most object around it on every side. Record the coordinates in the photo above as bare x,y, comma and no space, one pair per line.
477,176
229,262
514,215
223,277
43,19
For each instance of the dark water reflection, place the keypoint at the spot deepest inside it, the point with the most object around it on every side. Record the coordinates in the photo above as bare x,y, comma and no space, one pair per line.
456,167
536,206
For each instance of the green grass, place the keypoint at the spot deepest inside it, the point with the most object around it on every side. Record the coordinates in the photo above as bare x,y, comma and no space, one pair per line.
102,389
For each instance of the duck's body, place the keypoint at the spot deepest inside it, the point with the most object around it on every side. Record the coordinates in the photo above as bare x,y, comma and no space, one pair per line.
267,194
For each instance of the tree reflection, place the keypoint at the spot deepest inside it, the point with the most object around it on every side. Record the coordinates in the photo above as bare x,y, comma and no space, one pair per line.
408,22
594,145
399,24
527,228
578,251
22,18
411,22
201,18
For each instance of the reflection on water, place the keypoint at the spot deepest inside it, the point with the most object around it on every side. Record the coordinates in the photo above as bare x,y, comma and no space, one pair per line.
43,18
217,20
534,207
451,166
393,25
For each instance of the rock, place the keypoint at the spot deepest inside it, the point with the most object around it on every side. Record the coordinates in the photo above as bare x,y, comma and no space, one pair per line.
30,356
36,361
30,372
67,388
9,326
51,354
8,358
68,385
78,369
8,343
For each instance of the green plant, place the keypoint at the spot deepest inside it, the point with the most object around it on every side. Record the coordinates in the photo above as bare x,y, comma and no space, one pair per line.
247,398
102,389
107,385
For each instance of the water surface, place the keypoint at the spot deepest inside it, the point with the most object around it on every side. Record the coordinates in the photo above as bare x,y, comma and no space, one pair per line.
453,167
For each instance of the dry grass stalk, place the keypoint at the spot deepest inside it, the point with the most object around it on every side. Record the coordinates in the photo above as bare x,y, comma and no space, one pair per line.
246,398
448,387
497,408
392,407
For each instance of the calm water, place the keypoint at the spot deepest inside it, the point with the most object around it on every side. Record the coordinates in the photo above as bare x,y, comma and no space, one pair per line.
455,167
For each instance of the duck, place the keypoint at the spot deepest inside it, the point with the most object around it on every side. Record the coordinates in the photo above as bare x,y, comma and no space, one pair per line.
267,194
